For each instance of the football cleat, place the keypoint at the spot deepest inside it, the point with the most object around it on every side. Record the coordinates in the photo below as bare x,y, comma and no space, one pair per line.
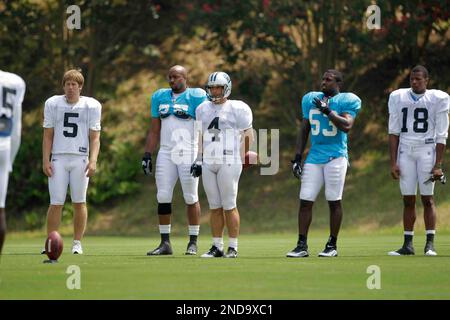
214,252
300,251
429,249
231,253
329,251
406,250
191,249
164,248
76,248
43,251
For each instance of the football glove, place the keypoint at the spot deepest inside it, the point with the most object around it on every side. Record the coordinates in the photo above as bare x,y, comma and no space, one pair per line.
297,166
442,179
196,169
147,163
322,106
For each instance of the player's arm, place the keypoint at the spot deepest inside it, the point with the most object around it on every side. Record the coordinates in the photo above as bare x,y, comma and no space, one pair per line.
153,135
247,140
302,137
442,124
47,143
94,149
343,122
151,144
394,129
393,151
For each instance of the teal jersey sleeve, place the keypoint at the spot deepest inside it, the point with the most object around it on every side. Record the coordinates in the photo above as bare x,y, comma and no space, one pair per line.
351,104
154,103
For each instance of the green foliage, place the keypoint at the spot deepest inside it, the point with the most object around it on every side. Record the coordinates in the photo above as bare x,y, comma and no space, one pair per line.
275,51
117,170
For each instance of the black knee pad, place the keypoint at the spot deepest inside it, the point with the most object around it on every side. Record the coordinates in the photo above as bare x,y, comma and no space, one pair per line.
164,208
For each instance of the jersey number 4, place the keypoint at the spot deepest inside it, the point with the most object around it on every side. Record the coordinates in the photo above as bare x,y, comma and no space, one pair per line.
214,128
71,125
420,124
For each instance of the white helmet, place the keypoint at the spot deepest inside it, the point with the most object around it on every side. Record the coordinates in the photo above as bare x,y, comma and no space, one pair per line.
218,79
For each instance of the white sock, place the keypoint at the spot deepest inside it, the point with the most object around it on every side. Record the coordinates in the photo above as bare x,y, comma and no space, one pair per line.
233,243
194,230
76,242
431,232
408,233
218,242
164,228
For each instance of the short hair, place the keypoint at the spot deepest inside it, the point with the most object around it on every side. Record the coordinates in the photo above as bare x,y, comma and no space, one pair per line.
337,75
73,75
422,69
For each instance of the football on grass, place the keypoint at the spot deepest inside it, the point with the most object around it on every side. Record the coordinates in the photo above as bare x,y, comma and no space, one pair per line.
54,245
250,159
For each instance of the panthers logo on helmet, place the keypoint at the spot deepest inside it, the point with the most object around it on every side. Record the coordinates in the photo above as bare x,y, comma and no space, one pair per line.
218,79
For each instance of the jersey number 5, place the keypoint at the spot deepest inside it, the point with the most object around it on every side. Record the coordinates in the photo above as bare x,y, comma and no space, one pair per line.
331,131
420,120
68,124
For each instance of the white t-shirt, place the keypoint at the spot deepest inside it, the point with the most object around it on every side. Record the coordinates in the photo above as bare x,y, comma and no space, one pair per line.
12,92
419,120
71,123
222,125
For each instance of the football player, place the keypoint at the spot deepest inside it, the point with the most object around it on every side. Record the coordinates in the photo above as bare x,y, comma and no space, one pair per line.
418,130
328,116
172,126
70,148
12,91
227,128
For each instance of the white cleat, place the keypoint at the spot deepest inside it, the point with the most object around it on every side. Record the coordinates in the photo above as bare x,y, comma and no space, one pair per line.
76,247
431,253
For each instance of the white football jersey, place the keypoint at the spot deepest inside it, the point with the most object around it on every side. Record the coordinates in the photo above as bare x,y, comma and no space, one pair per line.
71,123
419,121
222,126
12,92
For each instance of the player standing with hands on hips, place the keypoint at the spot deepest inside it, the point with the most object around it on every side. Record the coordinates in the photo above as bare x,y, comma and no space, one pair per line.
418,131
328,116
70,149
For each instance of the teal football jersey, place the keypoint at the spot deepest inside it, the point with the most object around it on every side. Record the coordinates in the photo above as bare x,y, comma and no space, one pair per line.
327,142
163,103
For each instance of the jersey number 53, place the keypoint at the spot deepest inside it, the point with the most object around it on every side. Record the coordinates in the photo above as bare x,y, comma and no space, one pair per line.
331,129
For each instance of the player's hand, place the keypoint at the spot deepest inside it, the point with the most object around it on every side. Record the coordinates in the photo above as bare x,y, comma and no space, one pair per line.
438,175
322,105
90,169
147,163
395,172
47,168
196,169
297,166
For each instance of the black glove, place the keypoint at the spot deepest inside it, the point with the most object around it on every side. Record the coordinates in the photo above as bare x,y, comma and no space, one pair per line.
196,169
147,163
297,166
322,106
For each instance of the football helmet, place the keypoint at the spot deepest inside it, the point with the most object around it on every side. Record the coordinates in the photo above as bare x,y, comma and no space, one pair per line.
218,79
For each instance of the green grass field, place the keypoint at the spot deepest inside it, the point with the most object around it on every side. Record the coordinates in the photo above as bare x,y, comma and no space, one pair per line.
117,268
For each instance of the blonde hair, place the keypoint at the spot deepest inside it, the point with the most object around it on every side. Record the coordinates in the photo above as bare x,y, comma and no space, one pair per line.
73,75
